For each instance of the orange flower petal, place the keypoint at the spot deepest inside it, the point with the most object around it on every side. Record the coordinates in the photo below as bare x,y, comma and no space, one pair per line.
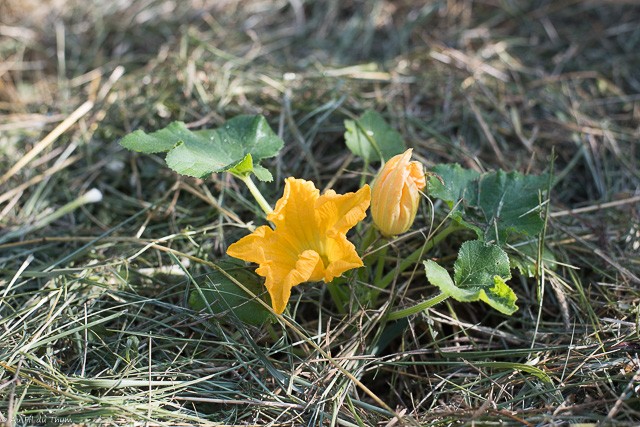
340,212
281,278
245,248
309,241
343,257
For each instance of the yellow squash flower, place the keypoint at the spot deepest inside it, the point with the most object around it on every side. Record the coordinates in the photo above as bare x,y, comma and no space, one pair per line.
396,194
309,241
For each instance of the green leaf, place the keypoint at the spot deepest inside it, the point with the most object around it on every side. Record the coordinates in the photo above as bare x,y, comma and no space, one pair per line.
458,188
500,296
459,183
480,273
477,263
370,137
524,257
510,203
199,153
245,166
219,295
160,141
439,276
495,205
262,173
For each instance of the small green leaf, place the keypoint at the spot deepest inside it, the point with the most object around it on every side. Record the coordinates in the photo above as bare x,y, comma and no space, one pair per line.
262,173
370,137
480,273
219,295
200,153
245,167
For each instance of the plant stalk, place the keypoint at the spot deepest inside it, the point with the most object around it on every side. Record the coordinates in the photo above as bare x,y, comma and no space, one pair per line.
417,308
266,207
413,257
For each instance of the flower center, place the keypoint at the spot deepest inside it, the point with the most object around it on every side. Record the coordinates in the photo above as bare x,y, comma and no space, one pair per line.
325,259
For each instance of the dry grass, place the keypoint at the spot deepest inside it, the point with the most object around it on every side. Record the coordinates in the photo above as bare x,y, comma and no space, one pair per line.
94,323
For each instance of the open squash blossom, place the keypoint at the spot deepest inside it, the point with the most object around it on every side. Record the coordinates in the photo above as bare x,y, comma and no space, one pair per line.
396,194
309,241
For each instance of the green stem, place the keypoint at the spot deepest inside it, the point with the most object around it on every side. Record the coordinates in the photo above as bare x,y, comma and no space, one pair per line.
412,258
382,256
406,312
337,295
272,332
266,207
368,238
379,271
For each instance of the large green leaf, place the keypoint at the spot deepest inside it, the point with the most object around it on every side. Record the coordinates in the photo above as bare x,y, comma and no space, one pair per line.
220,296
200,153
458,188
370,137
451,183
494,204
162,140
480,273
510,203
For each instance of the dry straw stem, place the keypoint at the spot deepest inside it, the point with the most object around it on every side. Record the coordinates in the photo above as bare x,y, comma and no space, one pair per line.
48,140
94,316
597,207
289,324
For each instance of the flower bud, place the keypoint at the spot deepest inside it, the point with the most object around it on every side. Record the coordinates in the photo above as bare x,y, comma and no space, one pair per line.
396,194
